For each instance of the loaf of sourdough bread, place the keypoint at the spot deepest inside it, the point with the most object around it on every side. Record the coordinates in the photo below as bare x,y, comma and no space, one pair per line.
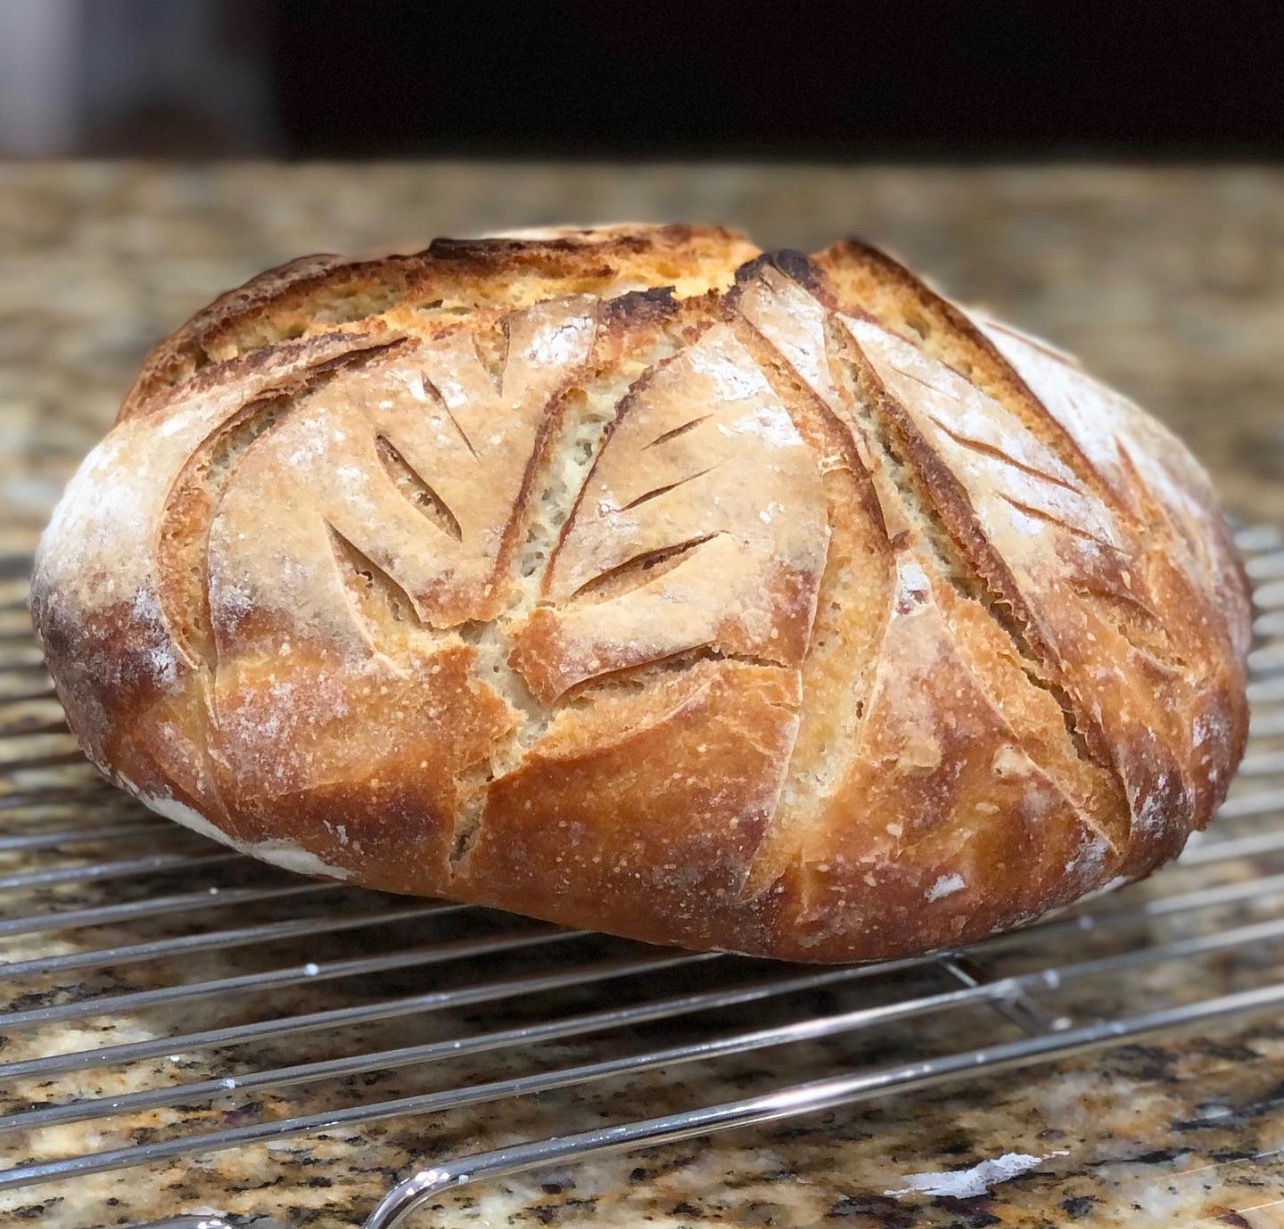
637,580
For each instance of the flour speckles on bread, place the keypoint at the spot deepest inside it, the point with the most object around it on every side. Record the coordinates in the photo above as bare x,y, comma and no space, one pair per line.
638,580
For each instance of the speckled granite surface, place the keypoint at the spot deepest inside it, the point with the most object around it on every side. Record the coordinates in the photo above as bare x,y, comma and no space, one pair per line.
1169,282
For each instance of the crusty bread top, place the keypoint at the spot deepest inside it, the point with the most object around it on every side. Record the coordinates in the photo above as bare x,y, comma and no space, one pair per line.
318,293
637,579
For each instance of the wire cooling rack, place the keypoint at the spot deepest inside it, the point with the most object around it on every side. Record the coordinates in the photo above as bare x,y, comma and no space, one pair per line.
166,1001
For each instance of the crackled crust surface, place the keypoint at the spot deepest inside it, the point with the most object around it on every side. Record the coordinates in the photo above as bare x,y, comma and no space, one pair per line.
638,580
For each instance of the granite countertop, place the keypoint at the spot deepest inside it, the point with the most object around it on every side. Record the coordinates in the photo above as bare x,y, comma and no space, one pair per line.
1169,282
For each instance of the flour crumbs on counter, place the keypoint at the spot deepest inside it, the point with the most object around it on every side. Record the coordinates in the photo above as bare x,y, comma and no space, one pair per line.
976,1180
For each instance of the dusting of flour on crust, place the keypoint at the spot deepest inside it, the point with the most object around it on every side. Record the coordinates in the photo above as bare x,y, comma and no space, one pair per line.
285,854
946,885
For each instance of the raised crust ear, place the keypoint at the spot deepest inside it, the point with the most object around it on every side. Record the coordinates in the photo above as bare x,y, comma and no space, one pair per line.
637,580
315,294
1155,565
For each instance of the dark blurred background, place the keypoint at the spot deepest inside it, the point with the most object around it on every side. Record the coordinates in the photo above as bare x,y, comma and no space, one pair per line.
865,80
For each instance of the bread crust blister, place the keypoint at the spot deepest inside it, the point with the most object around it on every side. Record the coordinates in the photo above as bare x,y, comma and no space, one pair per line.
638,580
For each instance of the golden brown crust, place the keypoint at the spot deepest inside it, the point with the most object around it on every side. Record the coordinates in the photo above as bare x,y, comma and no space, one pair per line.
636,580
318,293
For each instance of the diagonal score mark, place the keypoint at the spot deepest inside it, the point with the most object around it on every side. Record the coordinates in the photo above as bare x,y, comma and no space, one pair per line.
413,486
677,431
644,564
1047,518
430,387
664,490
366,582
997,454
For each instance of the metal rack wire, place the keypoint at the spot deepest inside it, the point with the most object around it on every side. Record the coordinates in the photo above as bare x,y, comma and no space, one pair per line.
129,943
